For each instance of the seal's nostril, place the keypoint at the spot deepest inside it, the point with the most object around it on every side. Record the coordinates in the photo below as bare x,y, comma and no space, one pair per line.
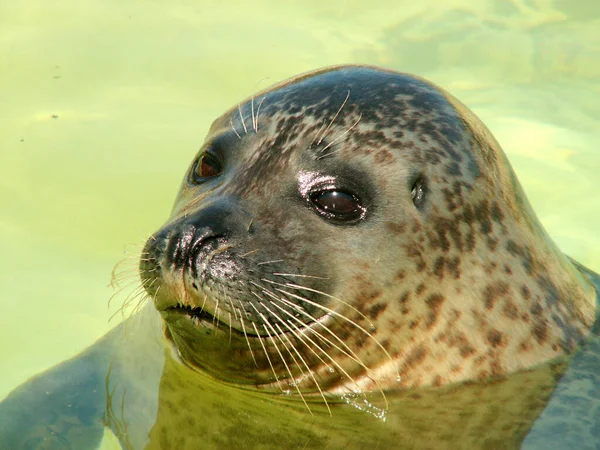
183,247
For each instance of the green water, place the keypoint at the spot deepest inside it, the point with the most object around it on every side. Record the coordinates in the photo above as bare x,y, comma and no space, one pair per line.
103,104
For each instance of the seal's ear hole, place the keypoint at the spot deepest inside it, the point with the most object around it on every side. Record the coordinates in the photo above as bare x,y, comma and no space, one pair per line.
418,191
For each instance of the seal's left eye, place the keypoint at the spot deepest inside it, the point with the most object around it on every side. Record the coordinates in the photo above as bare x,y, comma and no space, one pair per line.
338,205
206,166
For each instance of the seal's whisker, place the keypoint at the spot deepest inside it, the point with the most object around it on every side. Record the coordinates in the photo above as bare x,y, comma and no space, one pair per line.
258,112
216,313
267,356
203,303
249,253
120,273
338,138
304,363
285,364
252,113
242,119
303,336
234,130
352,356
316,291
335,313
138,291
270,262
333,120
243,309
300,336
299,275
349,353
247,340
123,287
234,309
123,277
138,306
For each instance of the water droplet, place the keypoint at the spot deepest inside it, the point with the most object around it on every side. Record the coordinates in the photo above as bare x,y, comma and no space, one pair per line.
398,378
331,370
372,328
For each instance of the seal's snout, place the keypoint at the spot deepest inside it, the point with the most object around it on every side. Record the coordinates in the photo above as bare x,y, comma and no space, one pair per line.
185,246
183,249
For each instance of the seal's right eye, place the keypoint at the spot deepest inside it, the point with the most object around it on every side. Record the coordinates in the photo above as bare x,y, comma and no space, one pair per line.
338,205
206,166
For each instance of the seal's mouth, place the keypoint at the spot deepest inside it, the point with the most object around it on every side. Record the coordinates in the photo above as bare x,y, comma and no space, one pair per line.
196,315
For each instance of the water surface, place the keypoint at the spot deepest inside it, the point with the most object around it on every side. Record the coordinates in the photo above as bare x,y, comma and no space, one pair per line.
104,104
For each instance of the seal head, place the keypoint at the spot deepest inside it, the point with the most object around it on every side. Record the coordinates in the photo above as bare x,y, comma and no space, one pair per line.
355,228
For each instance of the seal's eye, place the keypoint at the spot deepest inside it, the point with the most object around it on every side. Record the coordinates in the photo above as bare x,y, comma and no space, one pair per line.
338,205
206,166
418,191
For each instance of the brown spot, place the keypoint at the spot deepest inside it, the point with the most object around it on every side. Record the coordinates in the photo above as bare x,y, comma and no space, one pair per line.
360,341
374,311
434,301
493,291
416,356
540,331
497,215
507,269
510,310
453,264
369,296
394,325
414,323
492,243
438,267
536,309
383,157
464,346
525,346
396,228
470,241
496,367
404,297
490,268
400,275
420,289
437,381
525,292
495,338
479,360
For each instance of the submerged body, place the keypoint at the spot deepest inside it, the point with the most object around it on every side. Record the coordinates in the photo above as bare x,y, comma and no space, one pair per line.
350,262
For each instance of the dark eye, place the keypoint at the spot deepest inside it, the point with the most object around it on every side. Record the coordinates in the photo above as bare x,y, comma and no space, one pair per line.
338,205
206,166
418,192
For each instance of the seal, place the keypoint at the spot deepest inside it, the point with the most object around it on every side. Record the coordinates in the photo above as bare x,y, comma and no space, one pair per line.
350,262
